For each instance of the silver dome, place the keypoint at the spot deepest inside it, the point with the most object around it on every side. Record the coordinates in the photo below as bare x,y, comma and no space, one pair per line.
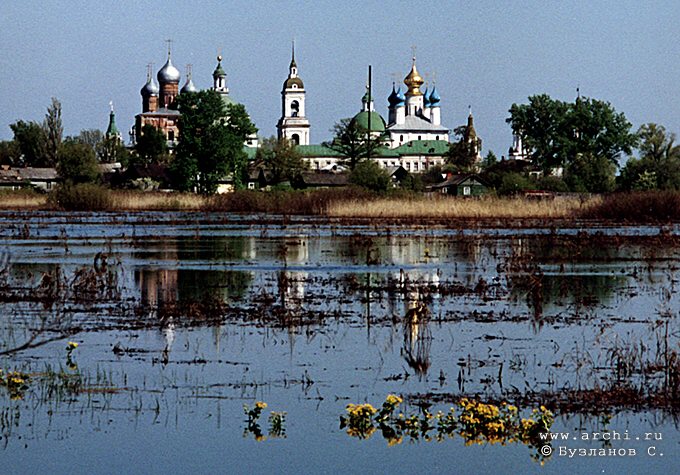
188,87
150,88
168,73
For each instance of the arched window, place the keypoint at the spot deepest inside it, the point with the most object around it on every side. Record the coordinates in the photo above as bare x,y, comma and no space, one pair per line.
294,108
295,138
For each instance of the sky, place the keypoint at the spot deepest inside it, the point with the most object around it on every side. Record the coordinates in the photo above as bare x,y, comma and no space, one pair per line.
483,54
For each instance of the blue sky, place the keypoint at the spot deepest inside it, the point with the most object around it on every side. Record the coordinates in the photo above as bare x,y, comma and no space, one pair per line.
484,54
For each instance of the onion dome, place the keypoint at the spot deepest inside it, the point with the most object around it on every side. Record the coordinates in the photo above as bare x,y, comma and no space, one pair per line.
426,99
293,83
377,122
396,99
414,80
168,73
219,72
434,97
189,86
150,88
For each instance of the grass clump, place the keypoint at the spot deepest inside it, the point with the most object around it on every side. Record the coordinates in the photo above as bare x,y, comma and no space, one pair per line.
81,197
636,207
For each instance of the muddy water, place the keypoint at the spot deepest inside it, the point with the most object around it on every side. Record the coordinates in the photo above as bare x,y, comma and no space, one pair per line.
181,319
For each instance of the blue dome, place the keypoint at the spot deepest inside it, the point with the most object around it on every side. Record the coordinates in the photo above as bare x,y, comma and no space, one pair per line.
393,98
434,97
426,99
402,98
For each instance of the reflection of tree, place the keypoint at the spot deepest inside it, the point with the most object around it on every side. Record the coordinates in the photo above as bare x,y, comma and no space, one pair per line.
417,339
193,284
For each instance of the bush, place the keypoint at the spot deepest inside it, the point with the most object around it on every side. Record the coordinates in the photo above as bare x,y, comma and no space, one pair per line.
513,183
370,175
82,197
637,207
285,202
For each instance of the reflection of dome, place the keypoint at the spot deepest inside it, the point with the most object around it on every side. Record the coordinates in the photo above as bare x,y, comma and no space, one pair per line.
168,73
150,88
377,122
413,81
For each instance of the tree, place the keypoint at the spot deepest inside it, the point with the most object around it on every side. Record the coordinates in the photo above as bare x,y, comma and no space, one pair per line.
9,153
151,146
32,142
283,160
659,164
368,174
54,131
211,141
577,136
462,154
91,137
352,142
77,163
490,160
590,173
112,150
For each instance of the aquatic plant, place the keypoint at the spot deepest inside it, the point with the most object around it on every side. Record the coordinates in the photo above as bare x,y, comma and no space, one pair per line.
15,382
477,423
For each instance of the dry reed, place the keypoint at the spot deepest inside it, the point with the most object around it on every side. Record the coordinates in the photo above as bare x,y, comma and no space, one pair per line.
22,199
150,201
450,207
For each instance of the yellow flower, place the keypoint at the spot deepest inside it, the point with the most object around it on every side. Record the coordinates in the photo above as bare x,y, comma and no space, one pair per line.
395,441
72,345
260,405
393,400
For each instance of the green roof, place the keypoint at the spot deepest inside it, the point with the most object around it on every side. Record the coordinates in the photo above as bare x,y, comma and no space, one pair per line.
377,122
317,151
250,152
112,130
423,147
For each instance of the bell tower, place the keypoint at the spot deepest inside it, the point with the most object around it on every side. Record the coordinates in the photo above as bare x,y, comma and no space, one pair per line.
293,124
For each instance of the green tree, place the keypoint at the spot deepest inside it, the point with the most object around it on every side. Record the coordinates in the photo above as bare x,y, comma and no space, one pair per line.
9,153
462,154
513,183
489,160
590,173
77,163
368,174
31,139
112,150
151,146
211,142
353,143
659,164
54,130
283,160
578,137
91,137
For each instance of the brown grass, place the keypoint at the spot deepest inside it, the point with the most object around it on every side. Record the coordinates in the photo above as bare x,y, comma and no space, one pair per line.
156,201
22,199
450,207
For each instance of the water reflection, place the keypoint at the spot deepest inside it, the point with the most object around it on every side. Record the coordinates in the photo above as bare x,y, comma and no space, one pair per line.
417,337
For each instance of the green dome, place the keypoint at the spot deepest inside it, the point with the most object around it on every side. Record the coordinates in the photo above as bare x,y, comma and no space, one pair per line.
377,122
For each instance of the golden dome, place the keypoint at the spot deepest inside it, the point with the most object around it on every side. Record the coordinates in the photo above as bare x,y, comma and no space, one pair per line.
413,81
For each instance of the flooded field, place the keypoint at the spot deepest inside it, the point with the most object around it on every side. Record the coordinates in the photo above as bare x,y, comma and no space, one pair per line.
131,344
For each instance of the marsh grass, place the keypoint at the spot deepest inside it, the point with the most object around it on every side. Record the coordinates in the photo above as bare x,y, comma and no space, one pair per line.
636,207
22,199
452,208
156,201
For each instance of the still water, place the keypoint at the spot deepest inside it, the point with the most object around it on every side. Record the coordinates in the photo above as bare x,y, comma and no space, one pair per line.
181,319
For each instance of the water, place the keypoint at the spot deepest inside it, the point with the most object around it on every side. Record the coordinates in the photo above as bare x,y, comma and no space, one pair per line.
181,319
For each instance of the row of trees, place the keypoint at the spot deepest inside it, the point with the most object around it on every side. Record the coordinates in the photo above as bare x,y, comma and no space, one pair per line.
584,140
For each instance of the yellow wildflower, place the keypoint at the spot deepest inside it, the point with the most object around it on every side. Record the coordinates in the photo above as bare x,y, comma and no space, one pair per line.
260,405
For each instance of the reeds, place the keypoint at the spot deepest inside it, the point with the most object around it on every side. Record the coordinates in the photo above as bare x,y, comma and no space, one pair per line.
636,207
452,208
22,199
